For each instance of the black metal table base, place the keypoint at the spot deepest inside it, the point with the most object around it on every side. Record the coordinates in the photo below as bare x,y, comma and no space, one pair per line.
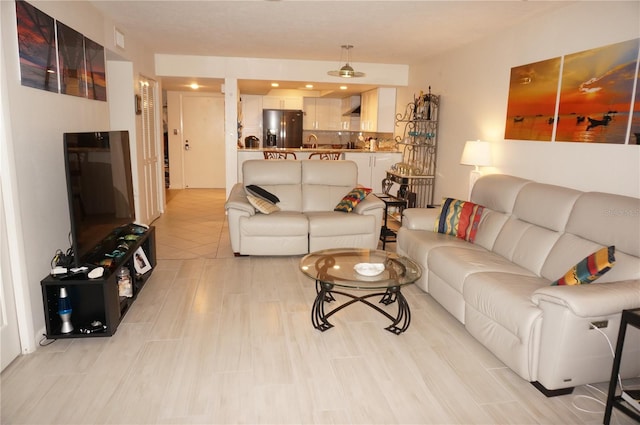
325,292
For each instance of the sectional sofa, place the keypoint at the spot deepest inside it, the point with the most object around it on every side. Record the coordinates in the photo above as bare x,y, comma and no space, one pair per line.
498,283
305,221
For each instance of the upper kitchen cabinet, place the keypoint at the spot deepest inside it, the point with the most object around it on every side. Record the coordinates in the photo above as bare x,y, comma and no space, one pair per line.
282,102
378,110
321,114
350,119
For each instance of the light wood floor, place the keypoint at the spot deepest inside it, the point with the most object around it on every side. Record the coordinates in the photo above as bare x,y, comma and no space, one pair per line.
218,339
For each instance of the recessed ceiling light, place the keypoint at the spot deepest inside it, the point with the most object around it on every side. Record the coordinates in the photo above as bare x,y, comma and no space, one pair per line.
275,85
343,87
309,86
195,86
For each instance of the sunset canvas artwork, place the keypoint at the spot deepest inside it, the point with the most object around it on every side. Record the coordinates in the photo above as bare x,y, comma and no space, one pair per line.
533,91
71,59
592,92
596,94
95,70
37,48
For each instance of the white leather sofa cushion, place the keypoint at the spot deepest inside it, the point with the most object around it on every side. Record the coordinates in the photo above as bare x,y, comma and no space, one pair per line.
322,191
332,229
539,216
283,180
571,249
332,223
500,314
545,205
455,263
417,244
497,192
607,219
491,223
287,230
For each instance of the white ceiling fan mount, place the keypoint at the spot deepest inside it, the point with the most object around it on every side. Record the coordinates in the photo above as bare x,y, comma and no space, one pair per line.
346,71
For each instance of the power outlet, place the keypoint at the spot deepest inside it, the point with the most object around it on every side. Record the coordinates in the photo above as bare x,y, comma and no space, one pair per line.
601,324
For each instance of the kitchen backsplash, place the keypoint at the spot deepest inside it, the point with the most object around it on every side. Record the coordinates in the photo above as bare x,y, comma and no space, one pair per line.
345,138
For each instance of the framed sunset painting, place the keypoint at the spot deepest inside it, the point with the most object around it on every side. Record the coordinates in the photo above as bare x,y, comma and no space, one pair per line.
531,106
596,94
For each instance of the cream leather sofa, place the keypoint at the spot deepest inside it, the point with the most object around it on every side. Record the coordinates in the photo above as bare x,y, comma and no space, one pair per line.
529,235
308,191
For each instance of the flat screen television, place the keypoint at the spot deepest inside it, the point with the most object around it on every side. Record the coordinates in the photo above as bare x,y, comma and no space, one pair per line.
99,187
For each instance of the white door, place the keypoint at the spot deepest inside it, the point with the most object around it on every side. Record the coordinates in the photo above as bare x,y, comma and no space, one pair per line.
9,336
203,141
150,152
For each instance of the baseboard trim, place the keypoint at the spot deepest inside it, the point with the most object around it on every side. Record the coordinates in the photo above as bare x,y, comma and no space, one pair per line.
551,393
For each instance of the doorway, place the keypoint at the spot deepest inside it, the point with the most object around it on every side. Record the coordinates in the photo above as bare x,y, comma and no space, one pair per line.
203,141
9,334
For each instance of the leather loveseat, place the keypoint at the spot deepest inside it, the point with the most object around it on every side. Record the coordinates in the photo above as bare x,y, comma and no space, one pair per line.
308,191
528,236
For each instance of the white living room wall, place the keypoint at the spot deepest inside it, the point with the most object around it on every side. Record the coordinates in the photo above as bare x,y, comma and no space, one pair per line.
474,84
38,121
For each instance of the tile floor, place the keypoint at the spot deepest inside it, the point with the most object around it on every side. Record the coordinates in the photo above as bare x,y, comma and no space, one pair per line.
214,339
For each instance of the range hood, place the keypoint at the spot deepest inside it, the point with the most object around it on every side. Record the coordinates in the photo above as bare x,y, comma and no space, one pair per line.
355,112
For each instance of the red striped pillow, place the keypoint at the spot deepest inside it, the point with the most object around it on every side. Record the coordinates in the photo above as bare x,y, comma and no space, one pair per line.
459,218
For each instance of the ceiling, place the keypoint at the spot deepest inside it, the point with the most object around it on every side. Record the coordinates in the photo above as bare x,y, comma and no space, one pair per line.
387,32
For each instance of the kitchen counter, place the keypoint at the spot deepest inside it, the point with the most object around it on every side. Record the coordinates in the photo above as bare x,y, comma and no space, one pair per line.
312,150
372,165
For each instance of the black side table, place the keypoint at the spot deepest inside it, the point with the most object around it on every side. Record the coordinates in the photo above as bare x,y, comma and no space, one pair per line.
386,234
629,317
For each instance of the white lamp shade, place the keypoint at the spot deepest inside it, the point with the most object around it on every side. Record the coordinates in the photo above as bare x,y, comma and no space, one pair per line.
476,153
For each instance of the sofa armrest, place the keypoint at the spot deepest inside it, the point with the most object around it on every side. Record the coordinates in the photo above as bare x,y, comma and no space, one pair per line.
238,200
237,206
420,218
596,299
371,202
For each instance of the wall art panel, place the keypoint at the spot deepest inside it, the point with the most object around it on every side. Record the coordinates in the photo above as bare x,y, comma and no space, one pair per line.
37,48
596,93
531,107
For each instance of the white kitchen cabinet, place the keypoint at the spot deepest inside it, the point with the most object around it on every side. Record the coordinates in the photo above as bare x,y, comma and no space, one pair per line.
348,121
373,166
378,110
321,114
282,102
251,116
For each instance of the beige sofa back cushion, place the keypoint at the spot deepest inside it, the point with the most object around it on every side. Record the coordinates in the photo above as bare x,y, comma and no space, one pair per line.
539,216
280,177
597,220
497,193
325,183
608,220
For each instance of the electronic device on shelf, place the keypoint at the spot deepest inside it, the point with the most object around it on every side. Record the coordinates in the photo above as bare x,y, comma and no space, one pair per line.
99,187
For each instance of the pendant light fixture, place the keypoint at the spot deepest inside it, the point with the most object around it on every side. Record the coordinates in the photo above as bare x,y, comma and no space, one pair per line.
346,71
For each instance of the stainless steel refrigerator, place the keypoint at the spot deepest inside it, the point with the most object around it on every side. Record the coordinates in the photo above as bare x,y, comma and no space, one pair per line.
282,128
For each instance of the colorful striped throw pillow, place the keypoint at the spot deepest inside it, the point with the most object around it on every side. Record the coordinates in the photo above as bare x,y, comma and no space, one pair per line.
590,268
352,199
459,218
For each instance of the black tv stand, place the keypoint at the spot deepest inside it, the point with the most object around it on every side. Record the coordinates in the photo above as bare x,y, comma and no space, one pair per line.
98,299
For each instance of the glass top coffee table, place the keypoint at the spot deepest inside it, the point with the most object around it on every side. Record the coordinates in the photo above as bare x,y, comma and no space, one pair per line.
340,269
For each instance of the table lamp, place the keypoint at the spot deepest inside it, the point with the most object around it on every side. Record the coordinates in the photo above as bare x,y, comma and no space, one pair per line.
478,154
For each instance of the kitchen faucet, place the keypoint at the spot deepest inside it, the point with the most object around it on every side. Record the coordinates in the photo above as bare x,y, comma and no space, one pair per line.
315,139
